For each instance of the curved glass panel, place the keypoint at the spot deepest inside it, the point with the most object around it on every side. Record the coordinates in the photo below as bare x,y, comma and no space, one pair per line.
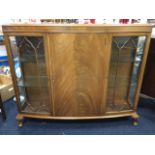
126,58
30,69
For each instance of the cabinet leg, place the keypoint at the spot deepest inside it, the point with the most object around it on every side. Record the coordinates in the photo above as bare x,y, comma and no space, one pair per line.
20,124
20,120
135,119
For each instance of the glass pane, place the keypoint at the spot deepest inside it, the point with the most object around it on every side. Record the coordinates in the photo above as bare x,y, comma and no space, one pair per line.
30,69
125,63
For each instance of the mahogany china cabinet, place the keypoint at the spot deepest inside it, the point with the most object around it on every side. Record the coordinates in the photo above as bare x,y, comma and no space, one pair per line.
77,71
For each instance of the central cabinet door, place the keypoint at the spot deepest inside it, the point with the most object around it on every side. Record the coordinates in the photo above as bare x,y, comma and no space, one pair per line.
79,67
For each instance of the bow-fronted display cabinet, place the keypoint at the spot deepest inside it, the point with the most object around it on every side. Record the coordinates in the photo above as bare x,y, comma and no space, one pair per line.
77,71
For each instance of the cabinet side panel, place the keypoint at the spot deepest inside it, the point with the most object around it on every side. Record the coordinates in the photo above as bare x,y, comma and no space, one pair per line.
78,74
140,78
7,43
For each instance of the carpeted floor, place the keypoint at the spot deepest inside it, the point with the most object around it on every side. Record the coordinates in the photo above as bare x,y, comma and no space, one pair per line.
118,126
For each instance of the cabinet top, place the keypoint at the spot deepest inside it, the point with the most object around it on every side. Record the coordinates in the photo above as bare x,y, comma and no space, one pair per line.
81,28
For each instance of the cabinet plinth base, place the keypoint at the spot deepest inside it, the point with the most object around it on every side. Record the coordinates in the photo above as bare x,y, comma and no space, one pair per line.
20,117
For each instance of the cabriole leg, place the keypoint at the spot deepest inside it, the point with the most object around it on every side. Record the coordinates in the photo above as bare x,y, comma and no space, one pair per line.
20,120
135,119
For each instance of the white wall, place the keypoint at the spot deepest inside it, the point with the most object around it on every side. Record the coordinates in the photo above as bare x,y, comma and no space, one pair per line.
3,51
2,48
0,30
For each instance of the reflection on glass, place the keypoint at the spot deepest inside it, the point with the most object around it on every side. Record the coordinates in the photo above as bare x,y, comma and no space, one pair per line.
125,63
29,63
18,72
136,66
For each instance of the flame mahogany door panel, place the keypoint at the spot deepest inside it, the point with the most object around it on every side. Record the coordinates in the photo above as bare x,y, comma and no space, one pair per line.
79,73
